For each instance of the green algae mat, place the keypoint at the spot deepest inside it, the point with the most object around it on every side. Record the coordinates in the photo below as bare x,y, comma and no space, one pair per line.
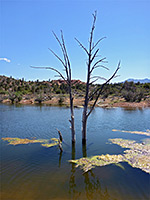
137,155
147,132
44,142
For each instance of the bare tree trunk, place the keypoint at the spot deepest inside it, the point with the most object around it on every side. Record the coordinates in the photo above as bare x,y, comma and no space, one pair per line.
84,127
86,101
72,116
92,64
67,68
84,115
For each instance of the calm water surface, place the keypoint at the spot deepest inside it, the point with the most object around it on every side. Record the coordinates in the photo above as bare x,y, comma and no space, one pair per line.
33,172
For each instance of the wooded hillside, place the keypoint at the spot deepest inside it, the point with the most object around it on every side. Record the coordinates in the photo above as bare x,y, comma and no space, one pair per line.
17,89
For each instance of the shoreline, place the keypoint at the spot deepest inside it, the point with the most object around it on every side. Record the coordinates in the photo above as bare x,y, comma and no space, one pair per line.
78,103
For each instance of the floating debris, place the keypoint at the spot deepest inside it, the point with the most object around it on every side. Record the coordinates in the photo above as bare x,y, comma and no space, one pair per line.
44,142
147,133
138,156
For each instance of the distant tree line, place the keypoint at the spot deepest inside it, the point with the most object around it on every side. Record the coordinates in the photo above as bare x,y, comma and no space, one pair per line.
130,91
16,89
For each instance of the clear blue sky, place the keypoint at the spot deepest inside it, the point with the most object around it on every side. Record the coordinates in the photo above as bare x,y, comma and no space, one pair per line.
26,34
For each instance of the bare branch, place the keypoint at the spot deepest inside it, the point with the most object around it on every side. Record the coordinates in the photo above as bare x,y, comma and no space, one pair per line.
90,67
104,61
100,89
98,43
102,66
51,68
67,68
61,46
57,57
101,60
58,40
66,58
113,76
116,76
97,63
80,44
93,92
93,89
92,31
57,76
64,47
99,77
93,81
94,55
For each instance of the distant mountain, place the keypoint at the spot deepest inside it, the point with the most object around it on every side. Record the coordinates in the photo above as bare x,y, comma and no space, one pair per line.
146,80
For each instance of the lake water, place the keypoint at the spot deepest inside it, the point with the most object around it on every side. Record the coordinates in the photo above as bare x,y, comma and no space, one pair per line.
33,172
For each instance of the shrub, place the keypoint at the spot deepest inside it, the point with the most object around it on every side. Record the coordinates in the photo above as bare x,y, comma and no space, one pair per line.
130,96
58,91
61,100
3,92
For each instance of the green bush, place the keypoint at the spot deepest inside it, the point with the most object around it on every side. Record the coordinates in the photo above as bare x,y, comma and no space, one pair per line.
3,92
58,91
61,100
130,96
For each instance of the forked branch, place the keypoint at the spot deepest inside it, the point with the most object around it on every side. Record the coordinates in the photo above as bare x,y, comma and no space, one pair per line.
100,89
95,65
98,43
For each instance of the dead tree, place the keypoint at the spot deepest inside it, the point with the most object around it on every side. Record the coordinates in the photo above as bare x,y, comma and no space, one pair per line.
67,68
92,64
60,135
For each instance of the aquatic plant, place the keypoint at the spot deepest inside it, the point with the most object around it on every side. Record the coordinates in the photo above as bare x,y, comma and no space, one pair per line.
16,141
44,142
54,142
88,163
147,133
138,156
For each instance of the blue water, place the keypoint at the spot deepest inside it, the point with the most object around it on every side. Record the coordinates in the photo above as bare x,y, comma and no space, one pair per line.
33,172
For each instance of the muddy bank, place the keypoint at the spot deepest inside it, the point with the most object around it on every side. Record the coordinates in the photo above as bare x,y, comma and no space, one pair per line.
79,101
142,104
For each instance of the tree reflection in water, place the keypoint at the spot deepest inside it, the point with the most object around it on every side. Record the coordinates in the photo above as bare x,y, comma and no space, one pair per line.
74,194
92,186
60,156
